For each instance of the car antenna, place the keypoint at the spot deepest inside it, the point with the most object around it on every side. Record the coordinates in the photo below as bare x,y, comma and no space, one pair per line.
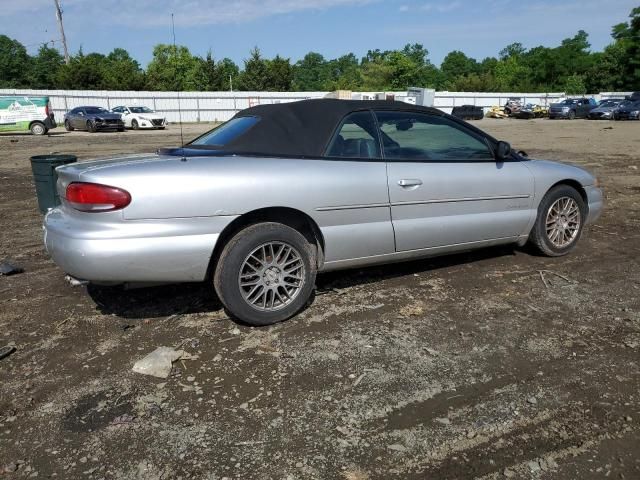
175,57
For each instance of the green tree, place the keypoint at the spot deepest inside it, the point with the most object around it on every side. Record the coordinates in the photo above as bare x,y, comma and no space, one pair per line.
399,69
14,63
228,73
311,73
510,73
172,68
255,76
45,68
513,50
279,74
574,85
122,72
627,35
344,73
457,64
84,72
205,75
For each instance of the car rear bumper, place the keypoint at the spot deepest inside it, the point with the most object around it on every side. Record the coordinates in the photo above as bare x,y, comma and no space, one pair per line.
595,202
50,122
119,251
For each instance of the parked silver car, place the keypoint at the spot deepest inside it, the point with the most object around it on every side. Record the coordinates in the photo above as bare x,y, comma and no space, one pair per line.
262,203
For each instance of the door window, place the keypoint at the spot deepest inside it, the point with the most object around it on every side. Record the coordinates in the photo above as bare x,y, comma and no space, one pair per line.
355,138
415,136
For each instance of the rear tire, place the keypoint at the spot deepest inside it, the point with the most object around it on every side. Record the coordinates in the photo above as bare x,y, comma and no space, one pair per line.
560,220
67,126
266,273
38,128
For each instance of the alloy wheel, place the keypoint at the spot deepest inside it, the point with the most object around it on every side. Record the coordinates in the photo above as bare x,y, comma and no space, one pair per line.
271,276
563,222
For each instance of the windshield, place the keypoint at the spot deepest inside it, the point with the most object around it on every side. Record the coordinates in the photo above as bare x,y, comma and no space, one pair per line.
568,101
94,110
227,132
140,110
608,103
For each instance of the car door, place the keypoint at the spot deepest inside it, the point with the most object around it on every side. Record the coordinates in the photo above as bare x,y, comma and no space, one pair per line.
126,116
353,214
78,118
583,107
446,188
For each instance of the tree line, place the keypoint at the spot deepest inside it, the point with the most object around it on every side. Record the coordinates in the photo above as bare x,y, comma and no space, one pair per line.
569,67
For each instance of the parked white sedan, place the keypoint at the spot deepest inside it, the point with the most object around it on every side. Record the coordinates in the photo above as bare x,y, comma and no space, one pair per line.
140,117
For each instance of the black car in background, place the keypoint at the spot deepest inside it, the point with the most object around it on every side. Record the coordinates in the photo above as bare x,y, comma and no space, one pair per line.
92,119
627,111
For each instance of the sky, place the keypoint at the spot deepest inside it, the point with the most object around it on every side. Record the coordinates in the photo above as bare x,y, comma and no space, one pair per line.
291,28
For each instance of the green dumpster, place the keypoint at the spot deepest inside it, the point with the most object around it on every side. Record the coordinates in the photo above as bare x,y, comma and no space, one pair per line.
45,178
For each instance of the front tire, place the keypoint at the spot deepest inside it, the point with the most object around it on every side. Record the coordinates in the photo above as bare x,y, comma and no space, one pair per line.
134,124
560,220
266,273
572,115
91,127
38,128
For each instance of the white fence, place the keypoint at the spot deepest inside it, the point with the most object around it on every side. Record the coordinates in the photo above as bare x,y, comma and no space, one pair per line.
220,106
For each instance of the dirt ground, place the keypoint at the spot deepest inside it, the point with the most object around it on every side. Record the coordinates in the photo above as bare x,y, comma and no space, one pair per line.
493,364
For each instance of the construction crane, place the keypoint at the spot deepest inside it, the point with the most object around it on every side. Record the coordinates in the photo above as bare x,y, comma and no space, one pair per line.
64,38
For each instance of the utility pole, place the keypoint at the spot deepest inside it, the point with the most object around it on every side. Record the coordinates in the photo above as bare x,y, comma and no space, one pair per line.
64,38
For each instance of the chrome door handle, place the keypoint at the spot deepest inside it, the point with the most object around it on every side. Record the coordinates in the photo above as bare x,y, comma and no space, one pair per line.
410,182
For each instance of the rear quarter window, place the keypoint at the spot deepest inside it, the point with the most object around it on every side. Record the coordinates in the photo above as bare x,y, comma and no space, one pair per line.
227,132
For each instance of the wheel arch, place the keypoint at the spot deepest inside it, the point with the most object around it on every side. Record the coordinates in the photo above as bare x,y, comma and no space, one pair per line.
291,217
577,186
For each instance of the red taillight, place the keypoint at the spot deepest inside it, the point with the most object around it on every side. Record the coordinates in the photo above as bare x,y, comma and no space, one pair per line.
93,197
47,108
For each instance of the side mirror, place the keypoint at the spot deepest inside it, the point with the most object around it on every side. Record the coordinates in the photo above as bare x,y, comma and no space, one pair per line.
81,114
503,151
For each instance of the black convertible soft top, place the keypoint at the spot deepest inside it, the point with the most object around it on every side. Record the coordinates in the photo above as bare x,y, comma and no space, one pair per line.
302,128
297,129
306,127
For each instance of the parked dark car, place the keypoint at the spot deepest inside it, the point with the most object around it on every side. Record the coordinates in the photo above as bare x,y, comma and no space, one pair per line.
92,119
468,112
634,97
572,108
604,110
627,111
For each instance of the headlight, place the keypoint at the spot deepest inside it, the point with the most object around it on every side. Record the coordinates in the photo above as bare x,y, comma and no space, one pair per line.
565,109
635,113
98,119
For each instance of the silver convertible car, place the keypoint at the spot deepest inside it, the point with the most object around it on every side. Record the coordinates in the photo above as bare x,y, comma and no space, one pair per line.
263,202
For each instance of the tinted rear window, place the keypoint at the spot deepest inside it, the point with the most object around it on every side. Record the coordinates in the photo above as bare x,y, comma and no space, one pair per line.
227,132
